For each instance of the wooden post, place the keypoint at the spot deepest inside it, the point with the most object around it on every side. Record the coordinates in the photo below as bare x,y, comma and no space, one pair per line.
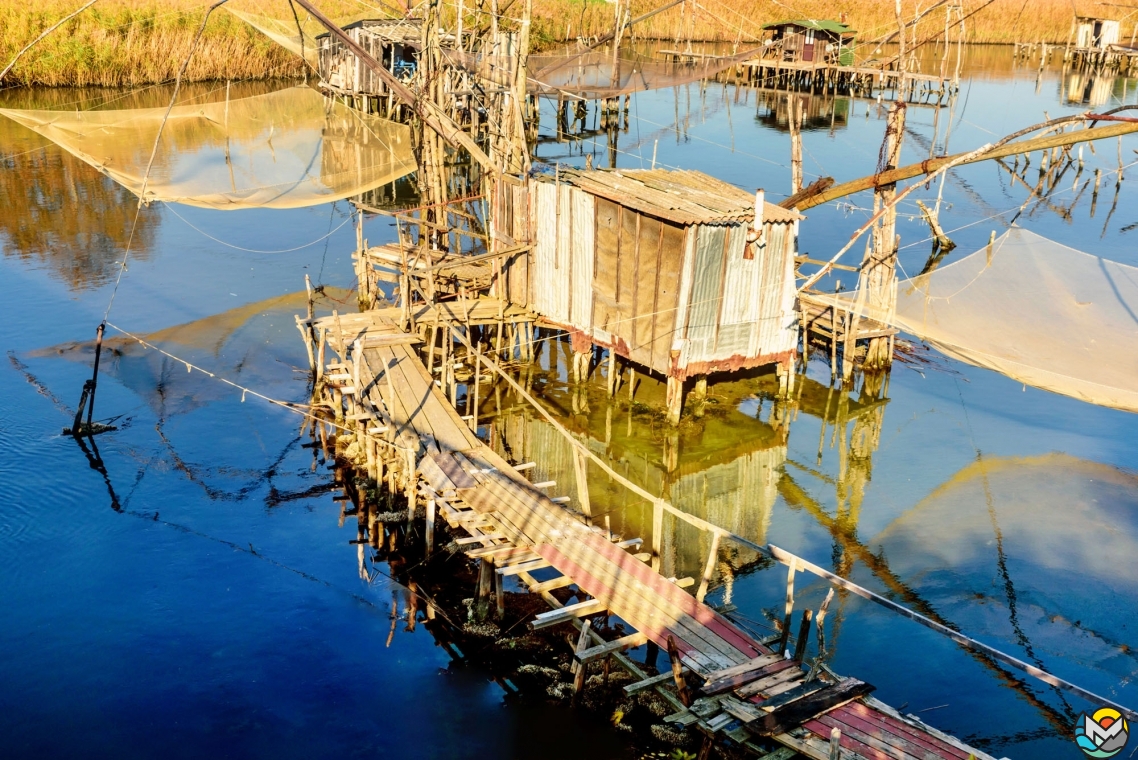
675,399
820,619
410,484
485,578
678,672
657,533
835,744
803,635
794,106
699,395
580,668
500,595
709,568
612,373
430,526
580,468
784,640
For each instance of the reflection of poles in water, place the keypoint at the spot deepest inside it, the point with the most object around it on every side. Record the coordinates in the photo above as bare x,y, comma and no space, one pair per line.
95,462
848,548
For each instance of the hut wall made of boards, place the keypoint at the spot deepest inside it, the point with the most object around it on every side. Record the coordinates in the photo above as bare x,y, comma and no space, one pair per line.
392,42
675,292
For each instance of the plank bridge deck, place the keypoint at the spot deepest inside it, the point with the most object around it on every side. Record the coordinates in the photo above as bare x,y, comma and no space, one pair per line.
515,525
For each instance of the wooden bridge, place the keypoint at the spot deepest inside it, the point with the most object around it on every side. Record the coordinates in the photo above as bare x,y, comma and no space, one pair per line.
763,695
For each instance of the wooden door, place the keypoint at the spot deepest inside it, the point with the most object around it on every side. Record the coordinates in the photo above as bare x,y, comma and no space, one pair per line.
808,45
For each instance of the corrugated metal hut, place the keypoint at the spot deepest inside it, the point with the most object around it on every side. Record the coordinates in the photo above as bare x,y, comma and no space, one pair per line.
667,268
393,42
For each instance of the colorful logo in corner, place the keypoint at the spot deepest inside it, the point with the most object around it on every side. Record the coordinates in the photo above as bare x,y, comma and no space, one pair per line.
1102,734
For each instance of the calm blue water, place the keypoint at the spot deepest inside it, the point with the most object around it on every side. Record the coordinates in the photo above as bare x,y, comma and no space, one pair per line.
220,610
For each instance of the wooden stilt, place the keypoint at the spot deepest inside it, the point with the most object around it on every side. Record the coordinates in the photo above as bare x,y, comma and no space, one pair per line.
678,672
674,399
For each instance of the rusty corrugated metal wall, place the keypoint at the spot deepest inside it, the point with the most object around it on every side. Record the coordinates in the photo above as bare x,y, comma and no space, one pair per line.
738,306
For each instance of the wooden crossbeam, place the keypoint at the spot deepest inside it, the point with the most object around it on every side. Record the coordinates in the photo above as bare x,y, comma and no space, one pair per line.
623,644
565,614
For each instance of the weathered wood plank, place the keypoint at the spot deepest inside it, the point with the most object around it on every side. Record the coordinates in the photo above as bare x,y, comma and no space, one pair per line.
796,713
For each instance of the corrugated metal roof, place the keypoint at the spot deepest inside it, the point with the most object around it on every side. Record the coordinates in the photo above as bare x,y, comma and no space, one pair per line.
681,196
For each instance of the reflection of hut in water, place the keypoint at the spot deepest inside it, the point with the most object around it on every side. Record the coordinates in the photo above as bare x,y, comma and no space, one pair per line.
809,41
1089,87
392,42
772,109
669,269
735,488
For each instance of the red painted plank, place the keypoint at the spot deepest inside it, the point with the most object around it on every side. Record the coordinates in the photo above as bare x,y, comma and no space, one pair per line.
903,746
882,732
869,753
902,729
686,602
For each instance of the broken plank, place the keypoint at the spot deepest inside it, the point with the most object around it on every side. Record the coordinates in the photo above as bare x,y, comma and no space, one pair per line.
796,713
622,644
648,683
559,582
737,675
565,614
792,694
784,673
523,567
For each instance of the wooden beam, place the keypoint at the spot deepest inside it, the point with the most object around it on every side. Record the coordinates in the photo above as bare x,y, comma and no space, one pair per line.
931,165
565,614
798,712
623,644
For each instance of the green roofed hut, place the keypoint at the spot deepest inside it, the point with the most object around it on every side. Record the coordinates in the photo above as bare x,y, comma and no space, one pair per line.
809,41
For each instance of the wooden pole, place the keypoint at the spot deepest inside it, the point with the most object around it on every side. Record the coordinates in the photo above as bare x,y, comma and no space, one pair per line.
709,568
784,640
678,672
933,165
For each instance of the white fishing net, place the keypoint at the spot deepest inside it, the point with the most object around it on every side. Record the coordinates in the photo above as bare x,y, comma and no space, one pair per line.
1035,310
284,149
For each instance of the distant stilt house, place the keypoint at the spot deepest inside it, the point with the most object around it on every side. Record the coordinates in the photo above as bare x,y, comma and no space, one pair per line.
1095,33
809,41
393,42
668,269
1095,43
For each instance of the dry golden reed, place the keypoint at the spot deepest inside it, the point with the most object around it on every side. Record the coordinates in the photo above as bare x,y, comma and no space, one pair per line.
133,42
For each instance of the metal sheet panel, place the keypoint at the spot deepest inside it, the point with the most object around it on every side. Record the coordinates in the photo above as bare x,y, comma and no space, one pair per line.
550,294
707,278
582,250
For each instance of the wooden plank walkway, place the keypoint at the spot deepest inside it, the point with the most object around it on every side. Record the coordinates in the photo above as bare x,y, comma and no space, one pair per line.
749,690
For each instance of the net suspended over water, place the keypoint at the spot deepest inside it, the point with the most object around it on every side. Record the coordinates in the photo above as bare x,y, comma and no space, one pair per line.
1035,310
284,149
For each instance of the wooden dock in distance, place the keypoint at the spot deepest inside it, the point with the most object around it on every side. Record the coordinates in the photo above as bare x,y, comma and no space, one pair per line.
411,436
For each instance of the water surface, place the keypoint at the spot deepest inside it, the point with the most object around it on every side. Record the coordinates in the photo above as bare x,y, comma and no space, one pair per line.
201,597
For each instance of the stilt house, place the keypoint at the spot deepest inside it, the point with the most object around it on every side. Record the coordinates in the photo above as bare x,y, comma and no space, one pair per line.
809,41
670,269
393,42
1095,33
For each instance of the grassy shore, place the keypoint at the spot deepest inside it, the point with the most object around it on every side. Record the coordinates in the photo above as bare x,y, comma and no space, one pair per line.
133,42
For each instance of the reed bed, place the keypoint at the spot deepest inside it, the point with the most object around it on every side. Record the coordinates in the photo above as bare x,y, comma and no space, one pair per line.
133,42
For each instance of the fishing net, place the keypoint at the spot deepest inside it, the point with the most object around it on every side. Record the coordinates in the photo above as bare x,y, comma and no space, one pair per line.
1037,542
253,345
295,33
590,75
1035,310
284,149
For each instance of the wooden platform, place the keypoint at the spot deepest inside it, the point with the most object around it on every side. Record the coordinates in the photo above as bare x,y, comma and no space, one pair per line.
751,694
